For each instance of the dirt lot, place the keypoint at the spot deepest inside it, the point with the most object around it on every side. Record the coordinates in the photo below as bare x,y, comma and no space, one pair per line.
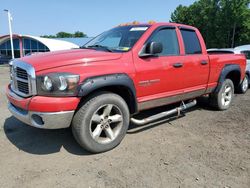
205,148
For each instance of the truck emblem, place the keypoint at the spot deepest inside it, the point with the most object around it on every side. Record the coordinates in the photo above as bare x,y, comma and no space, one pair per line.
148,82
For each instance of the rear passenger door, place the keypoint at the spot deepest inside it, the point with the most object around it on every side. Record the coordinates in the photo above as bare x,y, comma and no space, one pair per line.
195,63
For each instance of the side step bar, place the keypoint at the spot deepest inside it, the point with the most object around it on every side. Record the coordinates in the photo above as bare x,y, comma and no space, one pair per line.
164,114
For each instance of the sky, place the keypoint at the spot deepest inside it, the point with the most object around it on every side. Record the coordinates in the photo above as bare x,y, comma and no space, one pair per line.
46,17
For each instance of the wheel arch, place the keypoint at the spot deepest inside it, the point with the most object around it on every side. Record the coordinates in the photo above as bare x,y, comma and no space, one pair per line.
232,72
120,84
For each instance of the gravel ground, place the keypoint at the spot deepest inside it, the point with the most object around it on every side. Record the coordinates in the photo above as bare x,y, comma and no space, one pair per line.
204,148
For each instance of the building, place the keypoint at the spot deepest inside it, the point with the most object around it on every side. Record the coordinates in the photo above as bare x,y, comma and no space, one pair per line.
26,45
80,41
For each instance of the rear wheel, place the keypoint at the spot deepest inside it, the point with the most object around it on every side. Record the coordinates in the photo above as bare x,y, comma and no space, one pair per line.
101,123
244,85
223,99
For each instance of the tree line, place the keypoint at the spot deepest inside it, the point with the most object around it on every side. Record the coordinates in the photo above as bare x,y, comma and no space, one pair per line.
66,35
223,23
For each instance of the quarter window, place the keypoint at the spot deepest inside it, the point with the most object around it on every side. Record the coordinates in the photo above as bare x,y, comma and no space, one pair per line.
168,38
191,42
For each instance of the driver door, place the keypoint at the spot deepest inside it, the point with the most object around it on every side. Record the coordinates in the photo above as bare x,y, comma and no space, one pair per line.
160,77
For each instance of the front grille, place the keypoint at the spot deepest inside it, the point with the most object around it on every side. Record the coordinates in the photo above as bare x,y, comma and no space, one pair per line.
23,80
23,83
21,73
23,87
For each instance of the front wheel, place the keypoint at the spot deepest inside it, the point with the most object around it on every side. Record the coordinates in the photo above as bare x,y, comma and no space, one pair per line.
101,123
223,99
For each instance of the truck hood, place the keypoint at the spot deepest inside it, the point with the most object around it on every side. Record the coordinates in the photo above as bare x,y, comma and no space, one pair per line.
50,60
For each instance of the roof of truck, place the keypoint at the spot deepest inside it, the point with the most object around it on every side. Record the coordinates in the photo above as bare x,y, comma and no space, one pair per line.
158,24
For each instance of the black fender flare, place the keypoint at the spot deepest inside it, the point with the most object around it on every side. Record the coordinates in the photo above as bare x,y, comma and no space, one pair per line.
225,71
92,84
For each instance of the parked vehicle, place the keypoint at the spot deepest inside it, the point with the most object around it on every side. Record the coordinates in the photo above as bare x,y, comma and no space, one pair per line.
99,88
245,49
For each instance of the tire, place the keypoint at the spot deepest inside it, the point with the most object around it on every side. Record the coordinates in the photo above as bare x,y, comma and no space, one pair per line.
244,85
101,123
223,99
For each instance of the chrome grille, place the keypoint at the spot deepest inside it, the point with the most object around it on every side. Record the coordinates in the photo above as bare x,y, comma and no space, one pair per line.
23,87
22,83
21,73
23,80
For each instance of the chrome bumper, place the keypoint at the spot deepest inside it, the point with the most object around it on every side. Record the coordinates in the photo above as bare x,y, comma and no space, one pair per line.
43,120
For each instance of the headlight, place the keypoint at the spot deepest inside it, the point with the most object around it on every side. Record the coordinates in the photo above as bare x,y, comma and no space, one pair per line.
10,63
47,84
57,84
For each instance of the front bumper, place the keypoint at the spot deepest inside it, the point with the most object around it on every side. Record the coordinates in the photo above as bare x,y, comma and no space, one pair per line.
44,120
42,112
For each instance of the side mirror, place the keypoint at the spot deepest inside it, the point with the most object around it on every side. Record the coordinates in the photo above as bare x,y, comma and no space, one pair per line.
151,49
154,48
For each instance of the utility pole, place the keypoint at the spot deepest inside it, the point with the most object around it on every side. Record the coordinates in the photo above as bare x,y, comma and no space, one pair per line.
10,29
232,45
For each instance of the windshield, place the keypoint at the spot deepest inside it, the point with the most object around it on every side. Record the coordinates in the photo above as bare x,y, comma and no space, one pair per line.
120,39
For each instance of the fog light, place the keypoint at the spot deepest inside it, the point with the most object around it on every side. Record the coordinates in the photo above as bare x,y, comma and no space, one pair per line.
37,119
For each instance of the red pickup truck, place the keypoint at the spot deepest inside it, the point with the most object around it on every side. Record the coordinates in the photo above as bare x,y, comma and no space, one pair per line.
97,89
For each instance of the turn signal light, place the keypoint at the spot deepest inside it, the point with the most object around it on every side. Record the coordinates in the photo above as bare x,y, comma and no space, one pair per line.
151,22
136,23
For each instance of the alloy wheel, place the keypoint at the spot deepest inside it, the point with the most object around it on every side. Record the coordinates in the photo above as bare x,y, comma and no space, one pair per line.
106,123
227,95
245,84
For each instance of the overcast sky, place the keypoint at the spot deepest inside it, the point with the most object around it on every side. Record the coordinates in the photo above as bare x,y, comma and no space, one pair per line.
40,17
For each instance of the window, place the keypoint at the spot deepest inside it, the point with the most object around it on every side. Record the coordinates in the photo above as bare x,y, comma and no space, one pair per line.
5,48
119,39
247,53
34,45
191,42
16,44
112,40
31,46
168,38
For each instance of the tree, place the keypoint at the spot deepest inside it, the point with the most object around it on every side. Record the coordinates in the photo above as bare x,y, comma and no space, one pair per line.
79,34
223,23
66,35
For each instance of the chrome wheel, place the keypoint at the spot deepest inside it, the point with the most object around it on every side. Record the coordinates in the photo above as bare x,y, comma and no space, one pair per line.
106,123
227,95
245,84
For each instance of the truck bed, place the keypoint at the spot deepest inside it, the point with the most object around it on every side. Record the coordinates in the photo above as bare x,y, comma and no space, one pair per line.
218,62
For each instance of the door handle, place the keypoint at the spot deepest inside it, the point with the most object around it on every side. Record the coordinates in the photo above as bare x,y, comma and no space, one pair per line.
204,62
178,65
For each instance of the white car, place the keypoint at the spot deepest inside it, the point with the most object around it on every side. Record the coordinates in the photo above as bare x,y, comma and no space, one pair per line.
245,49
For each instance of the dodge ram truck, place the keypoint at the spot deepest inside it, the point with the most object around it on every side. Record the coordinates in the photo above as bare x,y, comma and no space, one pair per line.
97,89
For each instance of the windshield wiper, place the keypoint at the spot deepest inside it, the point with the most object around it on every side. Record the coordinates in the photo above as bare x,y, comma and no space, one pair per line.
98,46
84,47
